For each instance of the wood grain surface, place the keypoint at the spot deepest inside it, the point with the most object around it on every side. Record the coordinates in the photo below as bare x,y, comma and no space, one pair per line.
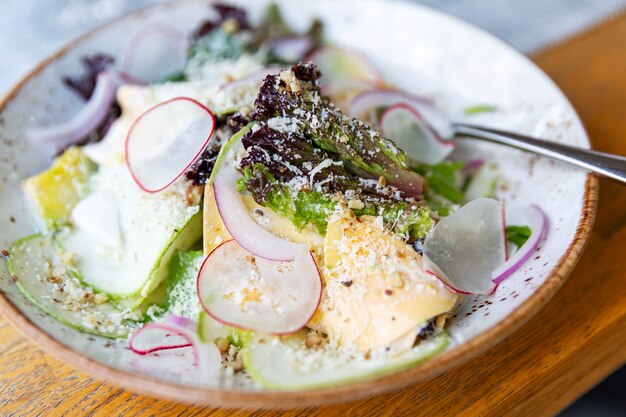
575,342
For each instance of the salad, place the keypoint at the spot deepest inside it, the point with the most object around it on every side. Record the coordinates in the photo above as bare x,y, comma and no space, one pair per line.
249,199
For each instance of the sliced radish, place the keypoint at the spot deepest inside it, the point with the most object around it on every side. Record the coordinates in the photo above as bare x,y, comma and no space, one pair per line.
248,233
291,49
342,63
165,140
366,106
249,292
83,123
254,77
405,125
177,333
538,222
465,247
156,51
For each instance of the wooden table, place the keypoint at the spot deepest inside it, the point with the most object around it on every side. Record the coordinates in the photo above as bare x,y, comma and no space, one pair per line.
577,340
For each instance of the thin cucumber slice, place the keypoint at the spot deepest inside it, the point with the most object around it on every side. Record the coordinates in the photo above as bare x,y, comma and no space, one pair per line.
286,364
50,284
153,227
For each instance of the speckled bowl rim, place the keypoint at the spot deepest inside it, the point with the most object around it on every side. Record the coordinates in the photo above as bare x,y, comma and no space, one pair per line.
289,399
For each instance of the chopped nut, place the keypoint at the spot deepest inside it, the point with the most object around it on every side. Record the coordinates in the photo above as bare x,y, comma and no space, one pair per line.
395,280
230,26
314,340
441,319
68,258
91,320
222,344
101,298
237,364
382,181
194,194
344,139
55,279
388,292
5,253
355,204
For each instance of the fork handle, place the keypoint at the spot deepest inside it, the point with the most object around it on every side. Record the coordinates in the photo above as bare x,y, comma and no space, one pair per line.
611,166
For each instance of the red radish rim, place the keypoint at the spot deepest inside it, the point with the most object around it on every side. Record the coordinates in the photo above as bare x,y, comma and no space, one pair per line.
415,112
379,79
228,323
539,223
224,187
195,158
168,328
135,42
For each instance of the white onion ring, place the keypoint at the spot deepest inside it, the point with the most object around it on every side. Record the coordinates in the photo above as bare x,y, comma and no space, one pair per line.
83,123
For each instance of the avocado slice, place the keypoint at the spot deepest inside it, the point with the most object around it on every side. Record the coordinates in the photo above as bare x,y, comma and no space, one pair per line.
49,283
287,364
56,191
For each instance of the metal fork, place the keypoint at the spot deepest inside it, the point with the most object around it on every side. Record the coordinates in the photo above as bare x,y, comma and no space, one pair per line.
611,166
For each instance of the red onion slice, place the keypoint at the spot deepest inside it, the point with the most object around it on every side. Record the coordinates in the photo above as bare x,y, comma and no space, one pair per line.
365,106
342,63
165,140
291,49
156,51
538,223
405,125
254,77
83,123
249,292
248,233
177,333
465,247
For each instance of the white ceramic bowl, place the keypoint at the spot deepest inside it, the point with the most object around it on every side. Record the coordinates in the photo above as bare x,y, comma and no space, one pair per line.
417,48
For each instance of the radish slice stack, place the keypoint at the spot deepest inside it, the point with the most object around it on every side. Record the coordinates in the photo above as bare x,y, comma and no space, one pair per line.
257,281
165,140
405,125
86,120
156,51
177,333
249,292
